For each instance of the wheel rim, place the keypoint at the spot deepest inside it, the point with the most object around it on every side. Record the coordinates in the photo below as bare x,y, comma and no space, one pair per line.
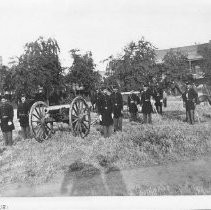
40,129
80,118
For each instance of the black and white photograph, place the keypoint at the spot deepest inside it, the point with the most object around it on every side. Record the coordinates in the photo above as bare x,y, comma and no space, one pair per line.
105,99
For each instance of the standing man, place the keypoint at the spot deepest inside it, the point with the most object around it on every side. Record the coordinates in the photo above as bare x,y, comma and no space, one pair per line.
133,101
158,96
6,118
146,104
190,97
117,102
105,110
23,116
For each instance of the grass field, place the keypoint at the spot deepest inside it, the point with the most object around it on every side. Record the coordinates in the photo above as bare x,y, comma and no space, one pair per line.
167,140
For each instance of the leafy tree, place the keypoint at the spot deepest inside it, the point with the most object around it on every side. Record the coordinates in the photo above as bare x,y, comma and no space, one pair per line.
83,71
175,65
6,83
39,65
134,67
205,51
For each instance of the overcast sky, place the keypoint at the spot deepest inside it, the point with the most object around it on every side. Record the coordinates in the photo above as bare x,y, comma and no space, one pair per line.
102,26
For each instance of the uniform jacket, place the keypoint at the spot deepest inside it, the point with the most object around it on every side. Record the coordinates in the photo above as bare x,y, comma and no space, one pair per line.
117,103
23,114
54,98
98,97
133,100
145,102
105,108
39,97
158,96
6,116
190,98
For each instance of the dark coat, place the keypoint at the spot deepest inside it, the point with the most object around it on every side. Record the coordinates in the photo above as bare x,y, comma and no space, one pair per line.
158,96
133,100
6,115
40,97
190,98
23,113
54,98
117,103
97,100
105,109
145,102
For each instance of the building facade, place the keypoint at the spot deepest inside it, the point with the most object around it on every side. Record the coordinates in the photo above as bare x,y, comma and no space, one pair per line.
194,58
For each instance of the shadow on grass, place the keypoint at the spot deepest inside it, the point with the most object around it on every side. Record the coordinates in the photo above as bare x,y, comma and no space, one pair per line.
83,179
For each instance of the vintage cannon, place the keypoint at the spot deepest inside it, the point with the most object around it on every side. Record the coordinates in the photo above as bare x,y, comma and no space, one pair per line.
76,115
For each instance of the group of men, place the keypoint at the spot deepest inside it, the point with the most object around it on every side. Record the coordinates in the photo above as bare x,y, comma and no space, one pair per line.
7,115
109,105
190,99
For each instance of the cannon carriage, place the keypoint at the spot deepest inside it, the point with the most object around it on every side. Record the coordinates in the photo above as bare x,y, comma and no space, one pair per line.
76,114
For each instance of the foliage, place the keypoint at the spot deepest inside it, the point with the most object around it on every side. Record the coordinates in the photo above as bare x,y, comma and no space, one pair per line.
134,67
82,70
175,65
39,65
5,79
205,51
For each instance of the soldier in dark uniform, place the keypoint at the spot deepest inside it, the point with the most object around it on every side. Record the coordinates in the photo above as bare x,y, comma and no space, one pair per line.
146,104
40,96
158,96
23,116
190,97
117,102
133,101
95,96
8,96
6,118
105,110
54,98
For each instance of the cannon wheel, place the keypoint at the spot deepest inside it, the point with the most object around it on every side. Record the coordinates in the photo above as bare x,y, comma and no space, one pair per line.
39,128
79,117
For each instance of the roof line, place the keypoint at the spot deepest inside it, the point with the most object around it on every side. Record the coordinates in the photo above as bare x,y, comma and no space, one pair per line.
181,47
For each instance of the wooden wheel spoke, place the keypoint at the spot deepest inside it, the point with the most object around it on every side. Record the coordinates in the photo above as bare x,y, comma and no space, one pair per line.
80,130
39,110
74,109
85,128
79,118
85,125
36,116
77,106
47,126
39,131
38,113
76,128
75,120
74,116
36,121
